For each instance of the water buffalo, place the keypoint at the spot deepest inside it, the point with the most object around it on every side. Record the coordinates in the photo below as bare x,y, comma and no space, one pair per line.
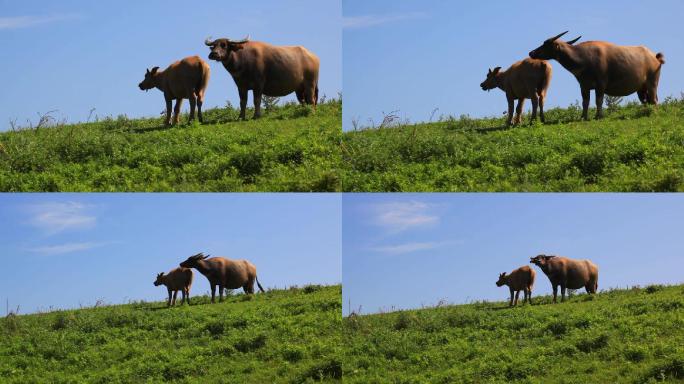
184,79
568,273
526,79
179,279
267,69
521,279
225,273
607,68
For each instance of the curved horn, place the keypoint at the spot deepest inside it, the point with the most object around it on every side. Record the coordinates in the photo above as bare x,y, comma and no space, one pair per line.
558,36
209,42
246,39
571,42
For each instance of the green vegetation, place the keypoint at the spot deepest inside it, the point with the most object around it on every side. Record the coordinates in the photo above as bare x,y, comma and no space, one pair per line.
281,336
635,148
619,336
290,149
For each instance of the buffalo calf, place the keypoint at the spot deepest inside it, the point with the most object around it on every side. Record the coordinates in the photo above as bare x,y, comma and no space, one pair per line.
521,279
525,79
184,79
179,279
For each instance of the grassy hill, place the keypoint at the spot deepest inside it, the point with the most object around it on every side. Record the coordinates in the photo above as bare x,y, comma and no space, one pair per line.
635,148
281,336
619,336
289,149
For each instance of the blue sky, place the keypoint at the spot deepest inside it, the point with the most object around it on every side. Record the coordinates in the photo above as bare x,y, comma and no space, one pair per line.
407,250
63,250
75,55
416,56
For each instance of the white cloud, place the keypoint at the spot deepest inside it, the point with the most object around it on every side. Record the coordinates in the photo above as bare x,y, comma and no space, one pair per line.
400,249
54,218
16,22
60,249
400,216
367,21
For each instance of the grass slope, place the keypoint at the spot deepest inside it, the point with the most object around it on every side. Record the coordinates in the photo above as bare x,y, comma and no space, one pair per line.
282,336
290,149
635,148
619,336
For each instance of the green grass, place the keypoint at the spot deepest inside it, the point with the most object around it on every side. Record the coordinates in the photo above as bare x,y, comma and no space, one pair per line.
281,336
290,149
635,148
619,336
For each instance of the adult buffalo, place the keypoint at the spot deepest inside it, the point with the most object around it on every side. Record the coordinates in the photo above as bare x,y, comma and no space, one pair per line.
607,68
267,69
568,273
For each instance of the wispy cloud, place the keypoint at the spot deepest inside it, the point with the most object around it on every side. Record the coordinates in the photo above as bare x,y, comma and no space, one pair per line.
367,21
56,217
400,249
16,22
400,216
60,249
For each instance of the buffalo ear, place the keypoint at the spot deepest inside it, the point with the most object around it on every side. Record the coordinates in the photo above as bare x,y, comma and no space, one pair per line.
147,71
154,70
489,71
496,70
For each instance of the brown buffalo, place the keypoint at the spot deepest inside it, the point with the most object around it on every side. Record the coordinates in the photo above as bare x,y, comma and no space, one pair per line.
184,79
179,279
607,68
526,79
226,273
521,279
568,273
267,69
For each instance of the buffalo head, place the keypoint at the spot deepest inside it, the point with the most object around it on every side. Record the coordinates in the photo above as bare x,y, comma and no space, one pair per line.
159,282
490,81
502,279
221,48
549,50
149,83
192,261
541,261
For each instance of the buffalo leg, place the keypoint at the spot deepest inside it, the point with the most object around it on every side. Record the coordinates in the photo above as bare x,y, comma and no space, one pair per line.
517,296
243,102
175,295
586,95
220,293
257,103
555,293
562,293
529,296
652,95
193,103
599,103
300,95
510,303
542,100
167,122
510,110
168,302
176,110
213,292
535,105
200,101
643,97
518,110
187,295
182,296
